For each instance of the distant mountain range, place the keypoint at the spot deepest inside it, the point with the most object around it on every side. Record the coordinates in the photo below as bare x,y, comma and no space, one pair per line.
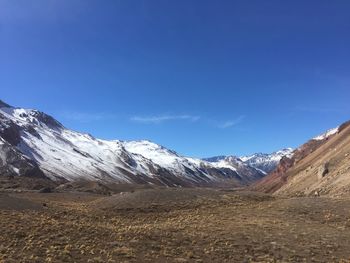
34,144
266,162
262,162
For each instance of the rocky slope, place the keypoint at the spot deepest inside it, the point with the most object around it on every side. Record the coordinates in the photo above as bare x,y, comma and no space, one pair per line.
321,166
13,162
33,143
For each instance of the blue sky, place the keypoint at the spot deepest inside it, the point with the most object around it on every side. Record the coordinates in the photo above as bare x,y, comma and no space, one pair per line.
201,77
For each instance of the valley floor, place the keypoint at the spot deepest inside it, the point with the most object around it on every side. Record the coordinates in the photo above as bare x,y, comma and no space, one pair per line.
172,225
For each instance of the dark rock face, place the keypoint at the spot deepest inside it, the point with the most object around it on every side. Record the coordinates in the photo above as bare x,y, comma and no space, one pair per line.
128,159
14,163
47,119
323,171
32,131
10,132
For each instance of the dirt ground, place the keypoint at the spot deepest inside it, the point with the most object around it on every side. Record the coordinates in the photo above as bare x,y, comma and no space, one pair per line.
172,225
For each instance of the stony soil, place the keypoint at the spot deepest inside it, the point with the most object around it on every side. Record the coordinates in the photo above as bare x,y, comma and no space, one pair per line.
186,225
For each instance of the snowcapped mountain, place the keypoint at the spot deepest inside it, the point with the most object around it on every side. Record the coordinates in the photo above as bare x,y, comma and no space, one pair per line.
228,168
235,163
33,143
266,162
261,162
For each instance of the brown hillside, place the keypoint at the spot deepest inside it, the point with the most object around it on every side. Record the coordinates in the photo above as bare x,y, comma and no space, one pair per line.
317,166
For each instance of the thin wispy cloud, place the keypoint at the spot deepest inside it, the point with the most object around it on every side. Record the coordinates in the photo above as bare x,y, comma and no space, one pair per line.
187,117
85,117
231,123
164,118
226,124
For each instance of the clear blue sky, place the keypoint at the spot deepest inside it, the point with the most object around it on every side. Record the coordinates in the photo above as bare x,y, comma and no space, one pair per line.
201,77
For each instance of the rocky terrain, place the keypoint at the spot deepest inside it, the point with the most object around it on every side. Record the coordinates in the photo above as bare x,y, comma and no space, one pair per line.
320,166
172,225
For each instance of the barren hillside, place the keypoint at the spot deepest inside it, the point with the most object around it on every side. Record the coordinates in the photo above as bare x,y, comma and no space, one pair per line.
321,166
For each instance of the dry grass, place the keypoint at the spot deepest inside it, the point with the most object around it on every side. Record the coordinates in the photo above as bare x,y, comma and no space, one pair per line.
213,226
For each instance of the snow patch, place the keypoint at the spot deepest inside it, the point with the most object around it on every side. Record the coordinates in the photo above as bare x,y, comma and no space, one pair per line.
326,134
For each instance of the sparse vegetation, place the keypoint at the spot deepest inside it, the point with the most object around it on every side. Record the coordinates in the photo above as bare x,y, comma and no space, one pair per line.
196,226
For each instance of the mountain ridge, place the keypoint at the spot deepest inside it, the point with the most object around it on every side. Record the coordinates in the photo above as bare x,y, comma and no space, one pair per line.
63,154
264,162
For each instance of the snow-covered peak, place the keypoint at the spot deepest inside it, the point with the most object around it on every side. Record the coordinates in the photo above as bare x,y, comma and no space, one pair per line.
236,164
262,162
266,162
326,134
146,145
285,151
162,156
227,162
24,117
275,156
